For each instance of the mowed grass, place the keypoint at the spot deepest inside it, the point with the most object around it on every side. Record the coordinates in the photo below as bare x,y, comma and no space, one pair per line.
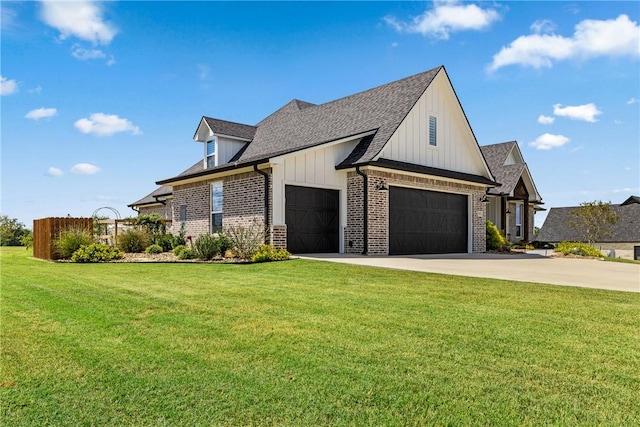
308,343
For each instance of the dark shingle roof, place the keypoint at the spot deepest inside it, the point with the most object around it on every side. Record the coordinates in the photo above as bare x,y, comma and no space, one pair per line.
159,193
224,127
631,200
507,175
557,228
299,125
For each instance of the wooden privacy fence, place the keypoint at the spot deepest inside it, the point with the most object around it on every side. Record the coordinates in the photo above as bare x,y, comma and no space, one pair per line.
46,230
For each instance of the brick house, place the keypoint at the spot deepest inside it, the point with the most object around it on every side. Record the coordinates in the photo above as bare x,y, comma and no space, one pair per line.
392,170
513,203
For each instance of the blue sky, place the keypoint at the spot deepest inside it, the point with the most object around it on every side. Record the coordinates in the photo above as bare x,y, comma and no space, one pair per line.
100,100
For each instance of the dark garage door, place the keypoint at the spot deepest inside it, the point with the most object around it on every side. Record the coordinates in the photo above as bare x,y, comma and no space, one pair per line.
312,219
426,222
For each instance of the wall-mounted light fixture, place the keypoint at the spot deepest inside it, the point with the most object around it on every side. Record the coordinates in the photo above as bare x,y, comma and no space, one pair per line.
381,187
484,199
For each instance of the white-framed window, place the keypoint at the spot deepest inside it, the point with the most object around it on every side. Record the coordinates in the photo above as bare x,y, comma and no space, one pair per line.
210,153
518,220
216,207
433,131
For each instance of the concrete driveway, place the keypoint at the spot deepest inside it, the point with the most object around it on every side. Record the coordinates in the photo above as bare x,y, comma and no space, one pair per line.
530,267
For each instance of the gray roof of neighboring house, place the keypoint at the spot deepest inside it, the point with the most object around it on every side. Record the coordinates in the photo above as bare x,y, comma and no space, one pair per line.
557,226
507,175
299,125
631,200
159,193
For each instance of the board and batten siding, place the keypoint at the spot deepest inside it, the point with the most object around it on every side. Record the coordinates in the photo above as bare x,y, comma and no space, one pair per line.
312,168
456,147
226,148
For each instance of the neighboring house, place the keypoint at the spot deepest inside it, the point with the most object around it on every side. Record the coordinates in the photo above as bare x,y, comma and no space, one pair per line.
392,170
625,234
512,204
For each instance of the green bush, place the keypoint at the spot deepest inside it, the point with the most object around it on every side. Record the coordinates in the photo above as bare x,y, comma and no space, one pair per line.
27,240
187,254
247,239
179,249
495,240
154,249
96,252
166,241
267,253
153,223
207,247
577,248
70,240
225,244
134,240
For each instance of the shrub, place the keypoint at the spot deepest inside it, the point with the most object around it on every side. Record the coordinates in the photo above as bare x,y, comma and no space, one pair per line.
70,240
188,254
178,250
166,241
154,249
96,252
267,253
207,246
225,243
134,240
180,239
153,223
495,240
577,248
246,240
27,240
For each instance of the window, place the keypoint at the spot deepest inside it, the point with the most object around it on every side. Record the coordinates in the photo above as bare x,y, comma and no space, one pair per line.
183,213
216,207
210,153
518,220
433,131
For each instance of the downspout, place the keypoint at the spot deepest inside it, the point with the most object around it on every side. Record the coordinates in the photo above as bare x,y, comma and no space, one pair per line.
365,211
266,203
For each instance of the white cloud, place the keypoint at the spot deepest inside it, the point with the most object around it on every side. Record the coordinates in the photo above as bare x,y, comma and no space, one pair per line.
548,141
632,101
7,87
617,122
37,90
543,26
82,19
591,38
85,169
86,54
445,18
545,120
105,125
40,113
586,112
54,172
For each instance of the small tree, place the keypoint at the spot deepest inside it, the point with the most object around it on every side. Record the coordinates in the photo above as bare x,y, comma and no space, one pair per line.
593,220
11,231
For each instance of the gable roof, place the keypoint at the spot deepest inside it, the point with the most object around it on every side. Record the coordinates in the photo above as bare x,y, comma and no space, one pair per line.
557,226
631,200
224,127
507,175
161,192
299,125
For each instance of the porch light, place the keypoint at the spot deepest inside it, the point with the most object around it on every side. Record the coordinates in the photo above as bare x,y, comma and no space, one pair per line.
484,199
381,187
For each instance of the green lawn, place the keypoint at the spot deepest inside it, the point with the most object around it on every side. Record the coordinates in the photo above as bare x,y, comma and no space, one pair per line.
308,343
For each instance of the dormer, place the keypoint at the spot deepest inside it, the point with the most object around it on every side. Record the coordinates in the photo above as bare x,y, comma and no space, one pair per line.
222,140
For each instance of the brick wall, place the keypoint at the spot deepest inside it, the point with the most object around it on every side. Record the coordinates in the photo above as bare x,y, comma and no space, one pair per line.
243,201
353,232
197,198
165,211
378,209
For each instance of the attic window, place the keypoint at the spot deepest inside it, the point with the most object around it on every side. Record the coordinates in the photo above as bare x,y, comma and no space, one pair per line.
210,153
433,129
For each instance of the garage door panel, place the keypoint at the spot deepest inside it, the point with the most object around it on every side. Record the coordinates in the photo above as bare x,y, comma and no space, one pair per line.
427,222
312,218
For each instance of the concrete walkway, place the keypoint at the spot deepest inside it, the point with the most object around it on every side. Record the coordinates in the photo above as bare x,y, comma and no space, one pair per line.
530,267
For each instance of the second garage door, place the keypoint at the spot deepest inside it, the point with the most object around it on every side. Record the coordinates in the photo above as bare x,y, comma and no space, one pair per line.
426,222
312,219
